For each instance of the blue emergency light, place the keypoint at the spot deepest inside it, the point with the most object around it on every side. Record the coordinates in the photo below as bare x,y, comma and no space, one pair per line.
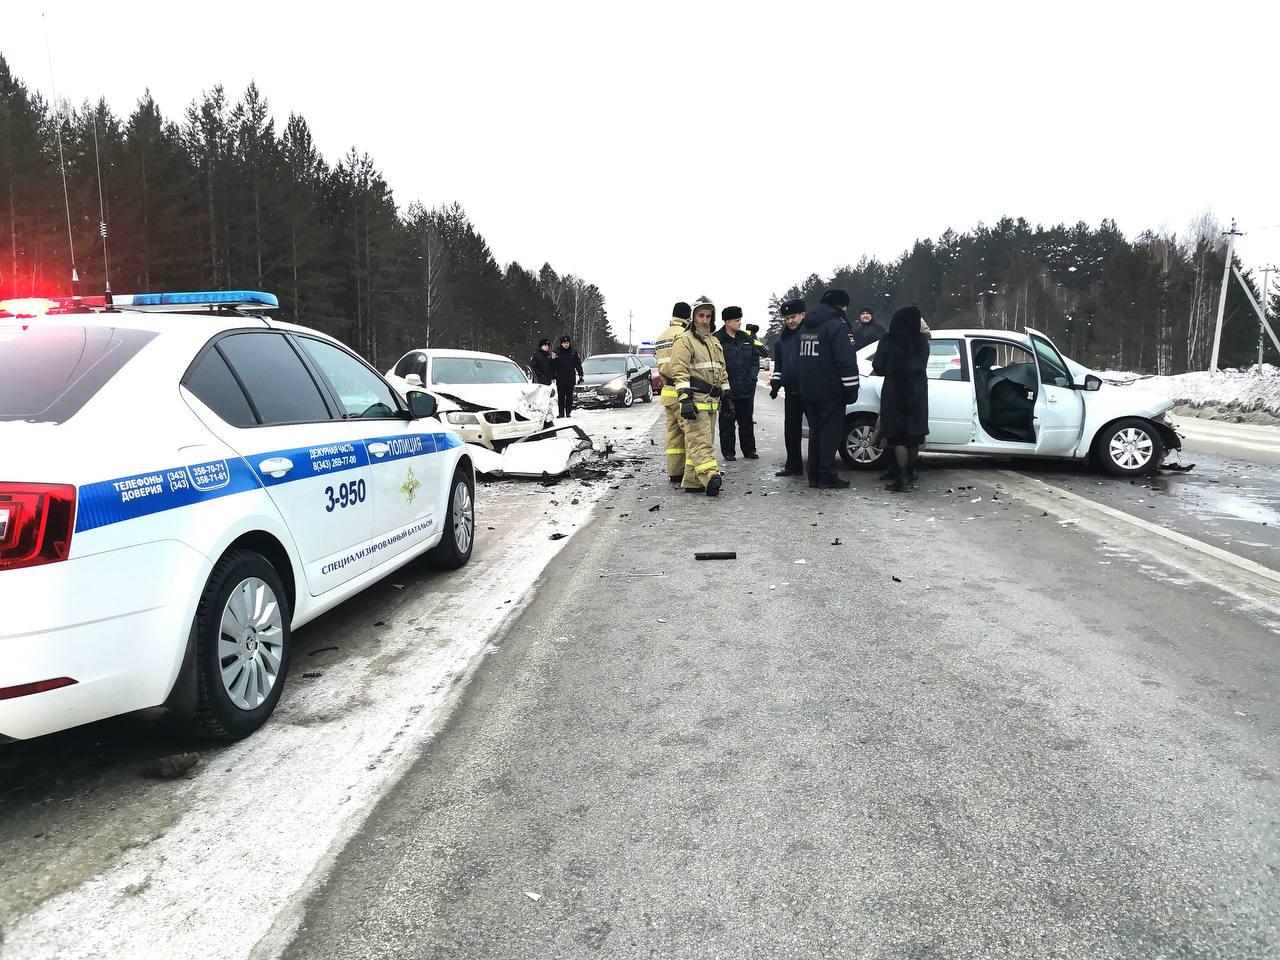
231,299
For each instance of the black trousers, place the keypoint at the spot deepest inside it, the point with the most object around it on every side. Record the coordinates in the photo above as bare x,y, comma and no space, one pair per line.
564,398
743,409
826,424
792,427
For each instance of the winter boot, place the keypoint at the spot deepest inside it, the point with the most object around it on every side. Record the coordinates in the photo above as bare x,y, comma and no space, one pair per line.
713,486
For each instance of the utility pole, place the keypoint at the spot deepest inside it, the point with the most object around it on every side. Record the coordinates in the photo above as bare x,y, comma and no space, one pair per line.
1266,293
631,347
1222,296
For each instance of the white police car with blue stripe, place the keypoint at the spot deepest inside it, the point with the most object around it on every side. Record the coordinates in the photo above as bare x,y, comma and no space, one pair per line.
183,483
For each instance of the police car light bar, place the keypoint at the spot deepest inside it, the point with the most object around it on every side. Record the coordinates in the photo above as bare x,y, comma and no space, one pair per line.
28,306
250,300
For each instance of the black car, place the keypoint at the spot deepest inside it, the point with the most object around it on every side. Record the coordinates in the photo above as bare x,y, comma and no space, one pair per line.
613,380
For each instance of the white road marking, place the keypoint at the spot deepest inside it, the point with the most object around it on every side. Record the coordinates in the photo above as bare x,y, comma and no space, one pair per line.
1217,553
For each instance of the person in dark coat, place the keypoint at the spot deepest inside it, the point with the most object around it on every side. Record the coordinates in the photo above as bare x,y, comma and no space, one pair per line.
902,359
786,377
866,330
544,371
742,363
828,381
568,368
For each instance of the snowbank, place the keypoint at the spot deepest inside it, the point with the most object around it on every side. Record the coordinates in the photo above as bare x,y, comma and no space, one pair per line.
1248,393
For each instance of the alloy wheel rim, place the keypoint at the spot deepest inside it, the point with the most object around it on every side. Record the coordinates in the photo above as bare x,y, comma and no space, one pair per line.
860,446
1131,448
463,517
250,643
628,398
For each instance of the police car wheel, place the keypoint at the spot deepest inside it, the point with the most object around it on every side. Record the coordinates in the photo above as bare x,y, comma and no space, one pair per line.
454,548
856,449
243,646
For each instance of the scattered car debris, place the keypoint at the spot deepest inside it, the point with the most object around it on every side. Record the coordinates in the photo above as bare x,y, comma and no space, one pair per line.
312,653
535,897
655,508
836,542
313,675
558,536
896,579
716,555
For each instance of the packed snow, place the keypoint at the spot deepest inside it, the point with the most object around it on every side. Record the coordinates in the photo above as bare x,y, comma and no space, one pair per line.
1242,392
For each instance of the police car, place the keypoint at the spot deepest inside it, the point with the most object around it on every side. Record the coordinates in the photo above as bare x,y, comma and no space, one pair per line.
183,483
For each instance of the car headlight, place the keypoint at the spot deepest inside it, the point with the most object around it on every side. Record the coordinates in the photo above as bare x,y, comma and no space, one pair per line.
458,417
617,383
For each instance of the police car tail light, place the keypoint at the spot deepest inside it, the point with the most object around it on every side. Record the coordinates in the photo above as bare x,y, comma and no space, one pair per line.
36,522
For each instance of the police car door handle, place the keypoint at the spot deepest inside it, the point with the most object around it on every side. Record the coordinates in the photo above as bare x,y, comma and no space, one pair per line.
379,449
276,466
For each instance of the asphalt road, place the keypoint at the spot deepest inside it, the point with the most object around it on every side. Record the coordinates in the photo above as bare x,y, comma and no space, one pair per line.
1230,499
985,723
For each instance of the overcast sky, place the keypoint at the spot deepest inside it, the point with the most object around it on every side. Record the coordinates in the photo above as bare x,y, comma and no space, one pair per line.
666,150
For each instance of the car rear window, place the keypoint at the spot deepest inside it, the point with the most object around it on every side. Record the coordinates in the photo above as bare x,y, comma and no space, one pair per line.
48,373
472,370
211,380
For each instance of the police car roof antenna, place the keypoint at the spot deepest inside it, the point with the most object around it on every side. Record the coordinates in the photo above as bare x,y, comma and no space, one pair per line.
102,216
62,165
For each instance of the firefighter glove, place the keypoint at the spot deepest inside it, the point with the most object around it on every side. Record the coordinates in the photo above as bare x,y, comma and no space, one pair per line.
687,409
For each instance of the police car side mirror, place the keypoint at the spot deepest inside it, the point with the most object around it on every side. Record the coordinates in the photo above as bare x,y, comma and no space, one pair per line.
1092,383
421,404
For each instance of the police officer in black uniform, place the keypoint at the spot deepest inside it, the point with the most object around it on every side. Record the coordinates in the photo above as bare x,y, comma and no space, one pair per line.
786,377
828,371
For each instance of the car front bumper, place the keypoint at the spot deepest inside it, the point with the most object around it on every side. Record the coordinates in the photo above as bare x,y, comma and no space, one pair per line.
597,398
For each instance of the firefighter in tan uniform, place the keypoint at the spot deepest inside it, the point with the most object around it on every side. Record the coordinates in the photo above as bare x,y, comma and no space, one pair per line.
680,314
702,385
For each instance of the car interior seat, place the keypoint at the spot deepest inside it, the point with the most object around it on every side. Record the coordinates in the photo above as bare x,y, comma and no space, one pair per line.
983,361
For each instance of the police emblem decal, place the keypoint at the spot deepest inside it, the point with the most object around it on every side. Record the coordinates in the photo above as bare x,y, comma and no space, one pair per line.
410,486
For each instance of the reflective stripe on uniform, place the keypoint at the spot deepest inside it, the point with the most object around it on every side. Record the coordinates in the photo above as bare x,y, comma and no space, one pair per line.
670,392
672,451
704,364
713,406
702,467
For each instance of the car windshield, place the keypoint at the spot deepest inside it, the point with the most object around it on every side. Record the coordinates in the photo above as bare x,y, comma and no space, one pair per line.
48,373
604,365
475,370
649,361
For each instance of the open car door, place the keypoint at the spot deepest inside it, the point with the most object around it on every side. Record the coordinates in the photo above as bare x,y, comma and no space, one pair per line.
1059,402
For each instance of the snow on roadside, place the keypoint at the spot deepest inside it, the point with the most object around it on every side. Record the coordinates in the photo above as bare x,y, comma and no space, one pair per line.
264,820
1244,390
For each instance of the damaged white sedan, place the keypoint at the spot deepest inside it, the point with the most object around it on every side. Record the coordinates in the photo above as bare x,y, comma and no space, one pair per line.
488,400
1014,394
485,397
